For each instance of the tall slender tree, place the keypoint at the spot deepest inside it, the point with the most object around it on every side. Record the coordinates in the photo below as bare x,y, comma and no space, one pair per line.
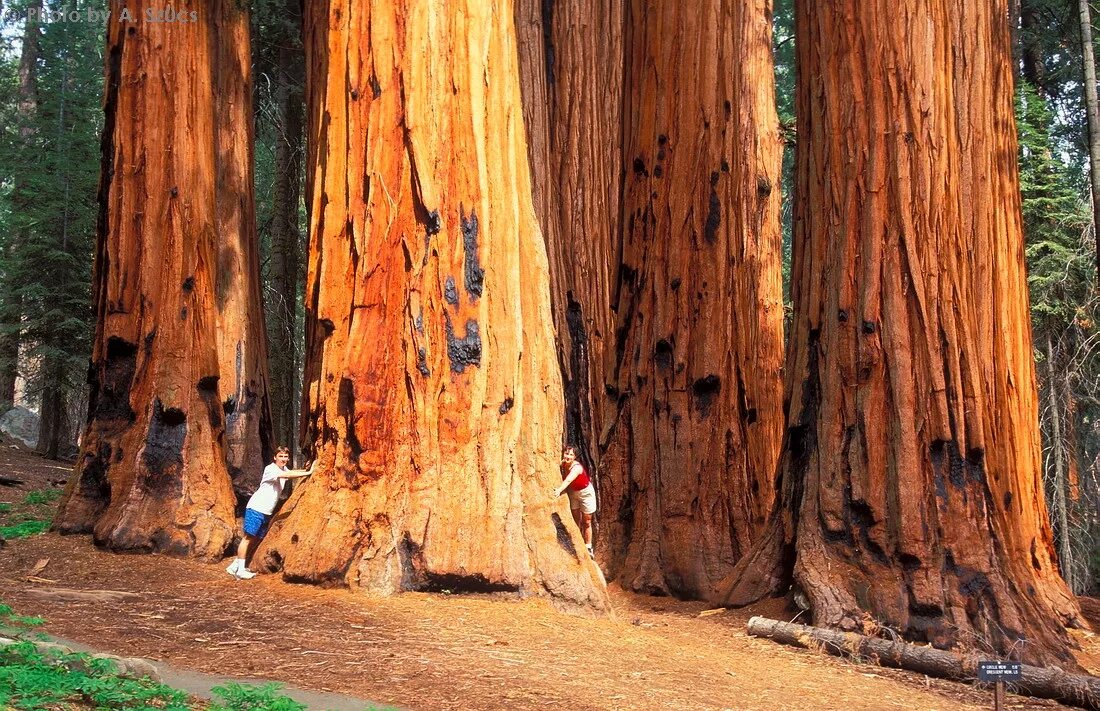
434,398
1092,112
910,480
179,345
686,479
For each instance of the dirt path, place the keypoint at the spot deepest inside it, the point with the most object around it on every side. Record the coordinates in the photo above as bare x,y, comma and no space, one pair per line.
424,651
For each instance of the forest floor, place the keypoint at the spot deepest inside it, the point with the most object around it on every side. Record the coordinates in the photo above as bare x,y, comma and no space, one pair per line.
435,651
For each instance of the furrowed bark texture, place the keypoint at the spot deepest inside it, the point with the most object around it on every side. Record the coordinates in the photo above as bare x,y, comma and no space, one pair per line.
175,283
571,69
242,336
910,474
686,478
433,393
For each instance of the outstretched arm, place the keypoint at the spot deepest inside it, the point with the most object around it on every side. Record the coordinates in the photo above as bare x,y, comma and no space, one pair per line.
299,473
574,472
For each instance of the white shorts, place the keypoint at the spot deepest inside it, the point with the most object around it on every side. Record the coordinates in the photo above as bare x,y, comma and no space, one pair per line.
585,499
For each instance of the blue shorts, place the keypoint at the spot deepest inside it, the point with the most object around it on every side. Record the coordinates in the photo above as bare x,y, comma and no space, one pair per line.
255,522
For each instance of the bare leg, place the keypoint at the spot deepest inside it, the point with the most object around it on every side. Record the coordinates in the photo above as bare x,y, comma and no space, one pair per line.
585,524
242,549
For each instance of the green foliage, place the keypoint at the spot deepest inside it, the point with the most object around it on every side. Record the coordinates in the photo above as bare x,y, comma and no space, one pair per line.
30,679
24,529
1056,217
42,497
48,197
244,697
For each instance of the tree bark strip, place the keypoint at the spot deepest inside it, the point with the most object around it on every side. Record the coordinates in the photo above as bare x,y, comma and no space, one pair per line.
1092,111
241,332
687,473
571,69
434,397
910,478
174,267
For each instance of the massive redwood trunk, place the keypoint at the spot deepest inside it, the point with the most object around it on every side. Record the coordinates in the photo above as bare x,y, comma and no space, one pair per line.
911,489
433,393
571,69
179,344
686,478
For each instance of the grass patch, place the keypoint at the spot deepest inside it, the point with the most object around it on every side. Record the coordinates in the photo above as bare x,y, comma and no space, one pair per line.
31,678
24,529
29,517
42,497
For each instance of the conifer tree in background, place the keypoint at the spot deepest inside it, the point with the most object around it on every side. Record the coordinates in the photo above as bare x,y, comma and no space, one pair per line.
1064,310
46,299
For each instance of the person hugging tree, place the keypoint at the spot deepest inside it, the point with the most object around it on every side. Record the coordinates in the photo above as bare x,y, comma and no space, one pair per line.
261,506
582,495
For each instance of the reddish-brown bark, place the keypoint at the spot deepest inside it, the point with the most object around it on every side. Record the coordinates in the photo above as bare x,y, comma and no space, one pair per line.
692,442
571,71
433,396
911,490
179,339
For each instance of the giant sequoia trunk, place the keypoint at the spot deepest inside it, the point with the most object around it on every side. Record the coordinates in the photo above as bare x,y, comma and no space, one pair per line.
433,394
571,68
911,489
686,478
176,382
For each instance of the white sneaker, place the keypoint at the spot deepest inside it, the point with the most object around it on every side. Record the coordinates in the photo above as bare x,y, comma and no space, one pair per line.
234,566
244,573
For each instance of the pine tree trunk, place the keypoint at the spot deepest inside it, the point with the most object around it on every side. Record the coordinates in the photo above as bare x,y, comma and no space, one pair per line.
1057,450
571,69
241,332
285,235
688,471
1092,111
911,486
51,409
433,392
175,288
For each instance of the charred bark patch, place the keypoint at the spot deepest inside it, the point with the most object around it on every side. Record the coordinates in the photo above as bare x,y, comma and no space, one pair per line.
763,186
208,391
564,539
714,218
110,399
465,351
662,355
450,291
327,326
422,362
163,451
705,391
188,284
375,87
475,275
507,405
345,408
639,167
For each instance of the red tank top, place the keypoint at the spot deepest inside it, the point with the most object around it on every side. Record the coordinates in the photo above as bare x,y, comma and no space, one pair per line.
582,479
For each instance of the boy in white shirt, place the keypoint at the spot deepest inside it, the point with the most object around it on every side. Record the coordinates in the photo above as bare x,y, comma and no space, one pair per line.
261,506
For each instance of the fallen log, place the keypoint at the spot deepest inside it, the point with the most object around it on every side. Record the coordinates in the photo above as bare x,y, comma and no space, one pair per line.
1042,682
10,481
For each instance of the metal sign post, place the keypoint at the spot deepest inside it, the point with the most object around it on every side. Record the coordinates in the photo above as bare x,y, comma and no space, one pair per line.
997,673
